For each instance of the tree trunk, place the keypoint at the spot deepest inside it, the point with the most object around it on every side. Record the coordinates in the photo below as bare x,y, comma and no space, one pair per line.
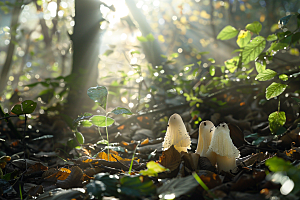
11,47
86,44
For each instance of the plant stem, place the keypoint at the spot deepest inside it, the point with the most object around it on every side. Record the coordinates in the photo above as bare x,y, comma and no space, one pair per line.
198,179
24,144
130,168
107,137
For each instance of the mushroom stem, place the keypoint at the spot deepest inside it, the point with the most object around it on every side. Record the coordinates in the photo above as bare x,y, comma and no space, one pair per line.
225,163
212,156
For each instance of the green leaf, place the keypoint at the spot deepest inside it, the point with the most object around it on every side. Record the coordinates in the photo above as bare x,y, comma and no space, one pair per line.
296,99
99,95
243,38
141,39
276,120
137,186
282,44
33,84
99,120
266,75
295,38
28,106
260,67
96,188
79,137
111,183
17,109
283,77
203,53
254,27
135,52
150,37
5,9
108,52
232,64
199,62
272,37
153,169
283,21
253,49
227,33
211,60
276,164
212,70
120,110
174,55
86,123
274,90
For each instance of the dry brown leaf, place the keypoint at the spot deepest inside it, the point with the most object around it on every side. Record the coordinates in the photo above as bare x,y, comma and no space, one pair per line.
190,160
92,171
36,190
255,158
49,172
146,141
290,138
62,174
236,135
246,181
170,158
72,180
210,179
36,168
113,157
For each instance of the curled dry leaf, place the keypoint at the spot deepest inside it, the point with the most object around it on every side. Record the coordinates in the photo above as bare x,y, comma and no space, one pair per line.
170,158
255,158
36,168
190,160
72,180
62,174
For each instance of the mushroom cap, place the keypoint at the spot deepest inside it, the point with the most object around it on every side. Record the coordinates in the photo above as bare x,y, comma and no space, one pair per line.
206,130
221,142
176,134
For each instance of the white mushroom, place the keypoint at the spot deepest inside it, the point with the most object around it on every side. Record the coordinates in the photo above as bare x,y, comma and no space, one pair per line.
176,135
206,131
223,149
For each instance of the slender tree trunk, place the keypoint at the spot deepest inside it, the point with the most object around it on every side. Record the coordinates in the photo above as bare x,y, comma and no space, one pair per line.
86,44
11,47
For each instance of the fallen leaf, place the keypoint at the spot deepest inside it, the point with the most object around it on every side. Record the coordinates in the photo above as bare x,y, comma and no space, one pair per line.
35,191
176,187
72,180
170,158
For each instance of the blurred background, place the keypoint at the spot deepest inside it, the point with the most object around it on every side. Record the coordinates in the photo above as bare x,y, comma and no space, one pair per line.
147,53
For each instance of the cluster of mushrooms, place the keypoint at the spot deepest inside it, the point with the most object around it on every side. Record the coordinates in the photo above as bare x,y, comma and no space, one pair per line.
213,142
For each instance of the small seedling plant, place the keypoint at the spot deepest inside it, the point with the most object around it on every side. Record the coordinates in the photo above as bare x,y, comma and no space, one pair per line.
25,108
99,95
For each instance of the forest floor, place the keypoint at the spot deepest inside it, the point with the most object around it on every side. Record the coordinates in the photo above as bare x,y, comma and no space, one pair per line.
55,166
